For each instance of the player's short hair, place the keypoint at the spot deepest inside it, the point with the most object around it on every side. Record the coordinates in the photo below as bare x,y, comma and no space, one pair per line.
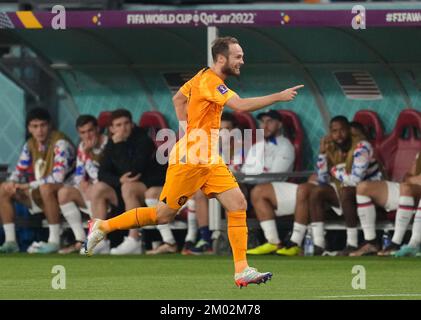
357,125
273,114
340,119
85,119
228,116
221,46
38,114
120,113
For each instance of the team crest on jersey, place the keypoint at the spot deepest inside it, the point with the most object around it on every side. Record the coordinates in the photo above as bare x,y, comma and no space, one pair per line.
182,200
222,89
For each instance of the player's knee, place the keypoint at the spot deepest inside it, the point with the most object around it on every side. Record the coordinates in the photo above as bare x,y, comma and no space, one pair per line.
316,194
4,192
103,192
47,190
152,193
240,204
200,196
164,218
303,191
405,189
99,190
256,193
363,188
64,195
165,214
131,190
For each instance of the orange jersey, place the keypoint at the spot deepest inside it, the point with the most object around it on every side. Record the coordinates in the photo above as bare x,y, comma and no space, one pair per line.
207,95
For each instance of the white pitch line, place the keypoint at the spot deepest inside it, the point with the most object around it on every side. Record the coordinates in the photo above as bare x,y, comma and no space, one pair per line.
375,295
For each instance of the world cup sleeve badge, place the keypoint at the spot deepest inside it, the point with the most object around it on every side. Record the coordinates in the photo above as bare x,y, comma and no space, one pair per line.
222,89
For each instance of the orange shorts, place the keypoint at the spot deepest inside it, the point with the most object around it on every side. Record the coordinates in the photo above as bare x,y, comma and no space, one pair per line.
183,180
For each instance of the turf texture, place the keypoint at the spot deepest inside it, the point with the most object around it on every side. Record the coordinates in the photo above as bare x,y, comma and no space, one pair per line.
24,276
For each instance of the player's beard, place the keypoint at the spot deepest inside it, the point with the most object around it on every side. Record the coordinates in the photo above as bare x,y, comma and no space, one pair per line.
345,146
228,70
271,135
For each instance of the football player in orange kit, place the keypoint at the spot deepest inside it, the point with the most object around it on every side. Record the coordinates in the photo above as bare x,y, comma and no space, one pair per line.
200,102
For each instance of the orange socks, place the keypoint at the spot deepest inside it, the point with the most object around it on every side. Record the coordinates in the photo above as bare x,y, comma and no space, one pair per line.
134,218
237,235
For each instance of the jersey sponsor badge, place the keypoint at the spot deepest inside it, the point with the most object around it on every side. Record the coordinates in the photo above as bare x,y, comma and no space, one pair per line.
222,89
182,200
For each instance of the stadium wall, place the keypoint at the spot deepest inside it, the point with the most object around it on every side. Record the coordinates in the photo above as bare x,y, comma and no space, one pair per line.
12,121
114,68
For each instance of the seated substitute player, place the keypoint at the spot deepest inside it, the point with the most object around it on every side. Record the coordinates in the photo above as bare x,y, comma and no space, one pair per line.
277,198
345,159
46,161
78,194
195,162
128,165
389,195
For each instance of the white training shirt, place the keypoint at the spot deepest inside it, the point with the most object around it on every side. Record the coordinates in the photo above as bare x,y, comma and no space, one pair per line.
273,155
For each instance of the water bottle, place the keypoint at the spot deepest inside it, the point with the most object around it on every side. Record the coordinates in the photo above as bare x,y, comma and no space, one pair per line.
386,239
308,244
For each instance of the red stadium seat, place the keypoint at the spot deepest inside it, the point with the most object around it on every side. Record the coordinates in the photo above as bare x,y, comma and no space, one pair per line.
373,126
399,149
295,133
104,120
153,121
245,120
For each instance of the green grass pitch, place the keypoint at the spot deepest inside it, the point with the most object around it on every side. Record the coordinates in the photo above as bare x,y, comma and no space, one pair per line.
24,276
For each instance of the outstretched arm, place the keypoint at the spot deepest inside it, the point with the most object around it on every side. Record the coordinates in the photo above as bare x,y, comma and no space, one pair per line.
253,104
